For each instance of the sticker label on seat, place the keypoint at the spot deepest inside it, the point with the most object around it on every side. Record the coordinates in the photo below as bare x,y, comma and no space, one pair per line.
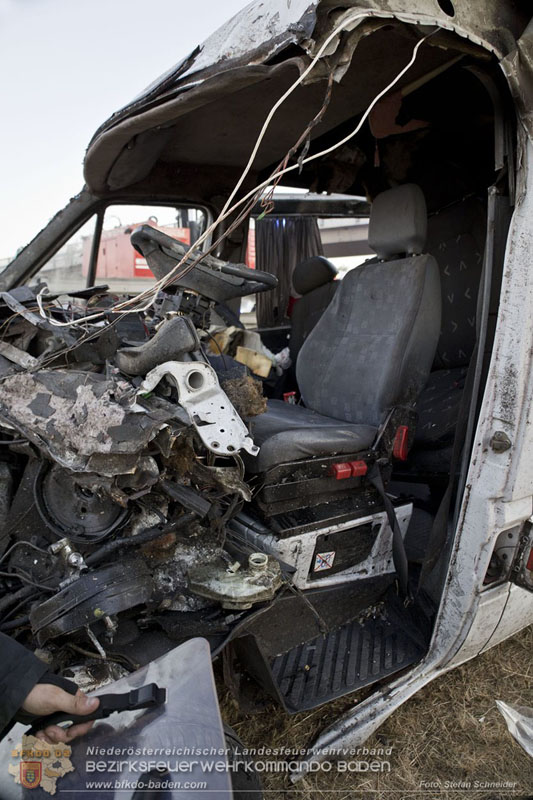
324,561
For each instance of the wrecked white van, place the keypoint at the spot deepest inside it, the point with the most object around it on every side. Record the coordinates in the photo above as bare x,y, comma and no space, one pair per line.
369,522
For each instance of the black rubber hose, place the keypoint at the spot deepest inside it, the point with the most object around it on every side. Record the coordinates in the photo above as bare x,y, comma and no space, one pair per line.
141,538
14,623
20,594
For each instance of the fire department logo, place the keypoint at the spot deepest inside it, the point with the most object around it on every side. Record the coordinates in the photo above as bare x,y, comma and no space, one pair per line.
41,764
30,773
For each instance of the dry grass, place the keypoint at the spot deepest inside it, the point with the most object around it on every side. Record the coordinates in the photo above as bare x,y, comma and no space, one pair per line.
450,731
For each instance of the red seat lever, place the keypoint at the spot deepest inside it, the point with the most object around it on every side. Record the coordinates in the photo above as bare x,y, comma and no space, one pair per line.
401,443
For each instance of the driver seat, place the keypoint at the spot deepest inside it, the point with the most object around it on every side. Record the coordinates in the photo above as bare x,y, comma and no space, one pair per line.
370,352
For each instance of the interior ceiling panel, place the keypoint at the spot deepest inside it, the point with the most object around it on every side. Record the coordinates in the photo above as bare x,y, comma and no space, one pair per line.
224,132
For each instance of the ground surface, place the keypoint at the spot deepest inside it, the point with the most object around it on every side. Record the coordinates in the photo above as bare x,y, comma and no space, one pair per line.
450,731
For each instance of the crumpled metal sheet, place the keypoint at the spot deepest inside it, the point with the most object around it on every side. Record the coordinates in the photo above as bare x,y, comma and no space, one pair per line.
256,33
518,68
80,418
248,40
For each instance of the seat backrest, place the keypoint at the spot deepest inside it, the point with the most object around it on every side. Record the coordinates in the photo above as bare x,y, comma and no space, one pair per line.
314,280
456,238
373,347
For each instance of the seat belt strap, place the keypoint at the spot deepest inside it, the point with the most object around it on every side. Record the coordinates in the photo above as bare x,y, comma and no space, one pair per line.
439,529
399,555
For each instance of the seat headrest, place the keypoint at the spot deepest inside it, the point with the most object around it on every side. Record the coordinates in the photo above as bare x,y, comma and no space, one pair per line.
312,273
398,222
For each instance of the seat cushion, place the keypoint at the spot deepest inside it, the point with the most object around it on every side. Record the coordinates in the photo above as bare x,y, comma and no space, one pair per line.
287,432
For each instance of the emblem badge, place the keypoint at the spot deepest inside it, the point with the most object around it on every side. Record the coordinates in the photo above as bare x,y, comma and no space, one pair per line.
30,774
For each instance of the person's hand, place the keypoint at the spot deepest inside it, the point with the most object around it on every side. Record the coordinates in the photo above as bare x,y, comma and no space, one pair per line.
46,699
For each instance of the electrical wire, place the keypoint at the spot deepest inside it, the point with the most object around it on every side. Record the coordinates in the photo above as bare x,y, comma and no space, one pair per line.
119,658
27,580
281,172
150,294
250,199
277,174
218,348
345,20
27,544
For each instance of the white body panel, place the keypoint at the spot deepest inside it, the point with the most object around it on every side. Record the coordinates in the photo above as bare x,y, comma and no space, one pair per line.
517,614
298,551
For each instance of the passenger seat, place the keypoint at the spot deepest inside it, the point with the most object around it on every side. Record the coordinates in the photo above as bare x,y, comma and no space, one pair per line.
371,351
314,280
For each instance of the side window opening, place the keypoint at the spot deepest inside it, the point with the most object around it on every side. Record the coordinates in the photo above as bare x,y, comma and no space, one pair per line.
64,272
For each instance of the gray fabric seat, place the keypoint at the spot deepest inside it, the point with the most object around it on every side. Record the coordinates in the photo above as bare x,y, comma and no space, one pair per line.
314,280
456,236
371,349
290,433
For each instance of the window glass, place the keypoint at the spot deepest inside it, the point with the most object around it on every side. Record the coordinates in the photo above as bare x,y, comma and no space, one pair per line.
345,241
64,271
119,265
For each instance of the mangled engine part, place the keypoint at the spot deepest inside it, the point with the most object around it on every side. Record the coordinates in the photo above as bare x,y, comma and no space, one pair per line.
68,508
72,559
88,423
174,337
50,343
217,423
83,421
167,579
235,586
97,587
91,598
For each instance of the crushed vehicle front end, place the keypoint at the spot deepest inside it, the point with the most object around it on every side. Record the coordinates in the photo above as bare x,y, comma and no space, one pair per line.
151,494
